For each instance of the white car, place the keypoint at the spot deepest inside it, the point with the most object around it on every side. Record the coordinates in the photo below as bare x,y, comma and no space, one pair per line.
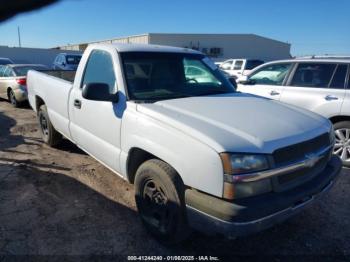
320,85
199,153
238,67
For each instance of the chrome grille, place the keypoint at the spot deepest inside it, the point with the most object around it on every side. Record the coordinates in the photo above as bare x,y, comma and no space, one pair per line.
296,152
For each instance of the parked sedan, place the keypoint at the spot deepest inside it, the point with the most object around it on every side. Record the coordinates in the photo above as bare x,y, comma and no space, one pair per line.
319,85
13,83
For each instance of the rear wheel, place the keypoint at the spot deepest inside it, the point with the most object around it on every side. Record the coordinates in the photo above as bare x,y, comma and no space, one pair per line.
342,141
159,194
12,98
49,133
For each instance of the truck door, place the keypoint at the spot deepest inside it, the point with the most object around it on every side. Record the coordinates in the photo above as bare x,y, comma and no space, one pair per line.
237,69
95,125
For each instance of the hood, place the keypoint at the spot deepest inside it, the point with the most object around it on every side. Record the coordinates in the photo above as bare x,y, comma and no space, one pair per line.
238,122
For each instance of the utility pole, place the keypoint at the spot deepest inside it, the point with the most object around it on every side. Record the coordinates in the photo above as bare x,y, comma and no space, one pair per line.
19,37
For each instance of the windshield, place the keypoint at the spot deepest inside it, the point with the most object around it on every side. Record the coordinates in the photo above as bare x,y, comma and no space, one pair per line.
23,70
73,59
159,76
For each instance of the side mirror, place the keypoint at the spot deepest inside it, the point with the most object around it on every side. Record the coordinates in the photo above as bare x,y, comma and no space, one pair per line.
99,92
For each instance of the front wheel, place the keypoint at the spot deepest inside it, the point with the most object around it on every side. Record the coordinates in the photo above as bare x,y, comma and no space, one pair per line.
48,132
342,141
159,194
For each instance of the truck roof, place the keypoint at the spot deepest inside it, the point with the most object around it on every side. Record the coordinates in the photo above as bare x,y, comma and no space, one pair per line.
148,48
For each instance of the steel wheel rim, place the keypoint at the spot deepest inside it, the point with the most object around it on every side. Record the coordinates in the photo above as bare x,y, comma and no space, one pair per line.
342,144
44,125
155,205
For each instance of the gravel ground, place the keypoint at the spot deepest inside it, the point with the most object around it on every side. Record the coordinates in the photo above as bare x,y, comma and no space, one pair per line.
62,202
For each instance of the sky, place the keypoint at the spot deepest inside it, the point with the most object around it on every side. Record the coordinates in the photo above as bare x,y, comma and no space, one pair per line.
311,26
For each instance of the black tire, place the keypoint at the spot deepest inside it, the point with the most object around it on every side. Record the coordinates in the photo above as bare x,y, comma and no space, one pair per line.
48,132
12,98
341,127
159,195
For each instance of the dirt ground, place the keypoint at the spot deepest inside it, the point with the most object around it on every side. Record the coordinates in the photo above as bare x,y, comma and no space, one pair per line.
63,202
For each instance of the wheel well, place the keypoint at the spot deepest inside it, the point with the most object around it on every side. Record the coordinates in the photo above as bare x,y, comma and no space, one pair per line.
136,157
38,102
336,119
8,91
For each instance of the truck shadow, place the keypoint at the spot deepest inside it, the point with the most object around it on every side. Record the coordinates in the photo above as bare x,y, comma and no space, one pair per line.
52,213
7,140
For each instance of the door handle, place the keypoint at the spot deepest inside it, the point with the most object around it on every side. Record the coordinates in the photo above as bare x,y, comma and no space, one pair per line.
274,93
330,98
77,103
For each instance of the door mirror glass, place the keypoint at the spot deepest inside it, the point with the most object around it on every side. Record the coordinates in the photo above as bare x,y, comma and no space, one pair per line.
98,92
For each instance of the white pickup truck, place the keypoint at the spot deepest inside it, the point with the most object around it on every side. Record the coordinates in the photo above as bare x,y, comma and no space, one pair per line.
199,153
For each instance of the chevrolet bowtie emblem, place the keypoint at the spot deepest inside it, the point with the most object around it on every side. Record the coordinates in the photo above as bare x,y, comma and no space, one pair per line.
311,160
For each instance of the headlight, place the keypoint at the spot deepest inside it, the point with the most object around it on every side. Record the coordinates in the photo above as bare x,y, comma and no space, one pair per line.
243,163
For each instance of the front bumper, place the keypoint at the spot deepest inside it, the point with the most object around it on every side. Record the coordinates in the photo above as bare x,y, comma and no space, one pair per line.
246,216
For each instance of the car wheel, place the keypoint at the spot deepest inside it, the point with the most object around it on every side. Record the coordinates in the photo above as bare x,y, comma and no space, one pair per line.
342,141
49,133
12,98
159,194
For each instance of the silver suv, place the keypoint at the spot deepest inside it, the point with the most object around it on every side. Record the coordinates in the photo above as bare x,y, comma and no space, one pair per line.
320,85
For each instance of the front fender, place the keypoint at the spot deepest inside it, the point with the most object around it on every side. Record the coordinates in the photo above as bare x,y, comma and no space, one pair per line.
199,166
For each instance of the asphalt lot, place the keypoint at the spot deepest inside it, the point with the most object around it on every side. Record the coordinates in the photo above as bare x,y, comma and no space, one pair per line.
63,202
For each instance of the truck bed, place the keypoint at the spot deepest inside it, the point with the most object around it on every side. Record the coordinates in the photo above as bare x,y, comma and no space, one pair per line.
63,74
54,88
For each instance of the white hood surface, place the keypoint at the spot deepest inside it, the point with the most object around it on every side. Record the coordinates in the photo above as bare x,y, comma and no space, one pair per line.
238,122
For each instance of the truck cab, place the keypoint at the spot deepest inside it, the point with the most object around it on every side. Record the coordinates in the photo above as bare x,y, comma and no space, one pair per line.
239,67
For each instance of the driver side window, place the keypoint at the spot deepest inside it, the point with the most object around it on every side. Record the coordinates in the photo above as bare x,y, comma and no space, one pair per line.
271,74
99,69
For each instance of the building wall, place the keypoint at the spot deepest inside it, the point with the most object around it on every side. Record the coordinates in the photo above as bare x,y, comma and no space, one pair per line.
232,45
225,46
30,55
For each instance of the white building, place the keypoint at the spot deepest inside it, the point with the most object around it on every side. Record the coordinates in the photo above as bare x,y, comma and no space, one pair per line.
218,46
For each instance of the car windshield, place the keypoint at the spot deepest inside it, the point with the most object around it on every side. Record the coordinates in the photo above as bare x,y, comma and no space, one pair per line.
153,76
73,59
23,70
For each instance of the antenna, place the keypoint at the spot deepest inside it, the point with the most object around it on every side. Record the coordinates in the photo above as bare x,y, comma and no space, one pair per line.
19,37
